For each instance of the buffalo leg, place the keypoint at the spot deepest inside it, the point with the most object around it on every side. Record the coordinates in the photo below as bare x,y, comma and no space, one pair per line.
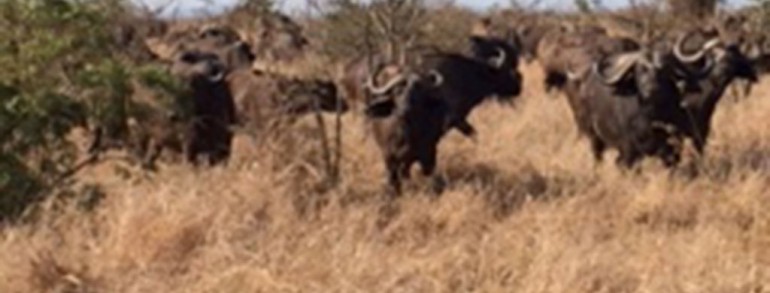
465,128
628,158
746,88
95,147
405,168
597,148
221,152
428,168
394,167
670,158
139,148
670,152
554,80
192,151
153,151
699,142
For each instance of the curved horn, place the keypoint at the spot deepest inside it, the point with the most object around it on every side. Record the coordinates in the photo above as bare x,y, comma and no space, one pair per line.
752,50
618,68
369,83
499,60
571,75
217,77
385,88
207,30
438,78
711,44
697,55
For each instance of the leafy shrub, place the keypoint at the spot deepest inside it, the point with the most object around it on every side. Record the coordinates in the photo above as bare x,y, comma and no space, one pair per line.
62,68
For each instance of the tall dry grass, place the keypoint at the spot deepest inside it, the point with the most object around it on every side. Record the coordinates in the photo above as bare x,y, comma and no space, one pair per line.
526,211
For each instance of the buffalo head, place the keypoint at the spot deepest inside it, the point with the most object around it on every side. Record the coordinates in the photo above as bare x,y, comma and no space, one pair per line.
644,73
227,44
199,68
707,73
503,60
394,94
717,59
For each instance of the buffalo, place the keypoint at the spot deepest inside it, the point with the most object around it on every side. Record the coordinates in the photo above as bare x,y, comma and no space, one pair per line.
465,82
226,44
709,71
412,112
757,49
196,124
628,101
212,108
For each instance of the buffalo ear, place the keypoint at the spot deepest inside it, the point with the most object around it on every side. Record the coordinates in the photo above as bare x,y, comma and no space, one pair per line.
478,43
380,108
476,40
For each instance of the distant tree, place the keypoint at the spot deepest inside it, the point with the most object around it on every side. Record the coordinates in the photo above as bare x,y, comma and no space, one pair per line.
525,5
587,6
388,26
693,9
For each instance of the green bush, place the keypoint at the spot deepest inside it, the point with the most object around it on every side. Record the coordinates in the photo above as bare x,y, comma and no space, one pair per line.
62,69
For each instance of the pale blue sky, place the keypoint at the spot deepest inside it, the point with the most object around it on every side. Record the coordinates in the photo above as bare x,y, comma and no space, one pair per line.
187,6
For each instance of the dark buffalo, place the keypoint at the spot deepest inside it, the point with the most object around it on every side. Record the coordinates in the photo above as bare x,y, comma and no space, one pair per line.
466,82
408,119
709,71
628,101
212,108
195,124
412,112
756,48
225,43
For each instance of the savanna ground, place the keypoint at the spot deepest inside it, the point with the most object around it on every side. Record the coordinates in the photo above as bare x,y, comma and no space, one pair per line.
526,211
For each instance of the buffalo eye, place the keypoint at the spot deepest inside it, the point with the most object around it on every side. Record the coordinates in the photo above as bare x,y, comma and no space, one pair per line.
188,57
211,33
380,109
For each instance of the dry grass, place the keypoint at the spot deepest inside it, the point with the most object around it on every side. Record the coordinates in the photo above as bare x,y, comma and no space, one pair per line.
526,211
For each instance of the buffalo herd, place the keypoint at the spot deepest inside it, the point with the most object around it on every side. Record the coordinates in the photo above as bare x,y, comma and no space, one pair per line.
642,97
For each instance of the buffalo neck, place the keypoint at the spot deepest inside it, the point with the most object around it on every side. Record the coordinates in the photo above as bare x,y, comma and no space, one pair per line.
213,99
710,93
